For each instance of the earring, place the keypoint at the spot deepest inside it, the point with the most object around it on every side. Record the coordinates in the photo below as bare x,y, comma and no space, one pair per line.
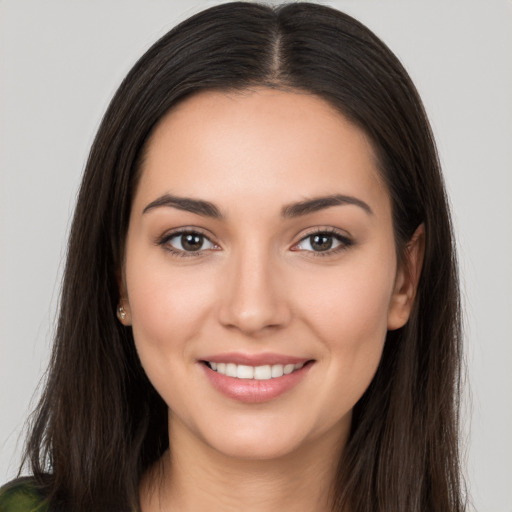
121,313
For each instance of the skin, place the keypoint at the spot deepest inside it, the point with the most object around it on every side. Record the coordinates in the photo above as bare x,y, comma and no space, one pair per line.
257,285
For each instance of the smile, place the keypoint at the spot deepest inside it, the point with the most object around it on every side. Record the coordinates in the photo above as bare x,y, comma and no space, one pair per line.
265,372
255,379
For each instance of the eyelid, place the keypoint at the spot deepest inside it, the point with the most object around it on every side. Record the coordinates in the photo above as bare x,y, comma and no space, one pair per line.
345,240
168,235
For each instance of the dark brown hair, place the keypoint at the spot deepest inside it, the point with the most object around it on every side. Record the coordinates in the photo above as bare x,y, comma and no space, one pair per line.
100,424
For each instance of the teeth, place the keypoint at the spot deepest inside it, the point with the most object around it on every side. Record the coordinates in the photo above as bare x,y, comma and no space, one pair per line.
288,368
231,370
262,372
266,372
276,370
244,372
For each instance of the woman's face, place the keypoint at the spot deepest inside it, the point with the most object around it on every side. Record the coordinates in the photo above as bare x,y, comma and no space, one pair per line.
261,243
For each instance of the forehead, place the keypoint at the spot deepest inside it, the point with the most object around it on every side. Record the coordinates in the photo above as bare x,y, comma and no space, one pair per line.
261,144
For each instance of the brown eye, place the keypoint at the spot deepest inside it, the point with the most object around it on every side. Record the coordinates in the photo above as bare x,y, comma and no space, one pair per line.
189,241
323,242
192,242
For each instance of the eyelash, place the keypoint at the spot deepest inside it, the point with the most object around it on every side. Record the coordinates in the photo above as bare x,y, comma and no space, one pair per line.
344,242
164,242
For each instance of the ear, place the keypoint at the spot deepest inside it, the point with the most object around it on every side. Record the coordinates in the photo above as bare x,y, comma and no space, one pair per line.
124,314
406,281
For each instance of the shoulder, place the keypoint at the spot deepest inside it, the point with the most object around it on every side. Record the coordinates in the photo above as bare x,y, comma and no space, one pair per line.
22,495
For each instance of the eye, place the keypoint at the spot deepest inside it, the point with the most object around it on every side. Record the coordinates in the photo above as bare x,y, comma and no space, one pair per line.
323,242
187,242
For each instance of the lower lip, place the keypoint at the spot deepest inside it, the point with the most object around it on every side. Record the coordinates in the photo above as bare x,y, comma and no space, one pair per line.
254,391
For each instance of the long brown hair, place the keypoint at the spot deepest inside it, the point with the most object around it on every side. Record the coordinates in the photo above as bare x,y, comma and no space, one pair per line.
100,424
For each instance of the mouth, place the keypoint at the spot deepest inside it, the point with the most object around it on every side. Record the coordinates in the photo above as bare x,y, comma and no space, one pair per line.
255,383
263,372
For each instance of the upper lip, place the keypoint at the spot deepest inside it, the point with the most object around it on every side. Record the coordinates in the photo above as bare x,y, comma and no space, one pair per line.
265,358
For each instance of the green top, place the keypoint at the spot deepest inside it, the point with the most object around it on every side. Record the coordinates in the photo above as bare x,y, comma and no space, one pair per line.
21,495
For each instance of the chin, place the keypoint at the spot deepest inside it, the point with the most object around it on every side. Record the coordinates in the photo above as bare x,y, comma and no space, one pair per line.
254,448
268,438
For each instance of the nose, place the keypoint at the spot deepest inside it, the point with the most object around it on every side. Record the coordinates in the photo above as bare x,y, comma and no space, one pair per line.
254,298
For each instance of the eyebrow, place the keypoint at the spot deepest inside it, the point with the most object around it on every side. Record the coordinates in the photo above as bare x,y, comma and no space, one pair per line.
197,206
320,203
208,209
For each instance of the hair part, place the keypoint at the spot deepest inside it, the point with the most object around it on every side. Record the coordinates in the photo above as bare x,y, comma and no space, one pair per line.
100,425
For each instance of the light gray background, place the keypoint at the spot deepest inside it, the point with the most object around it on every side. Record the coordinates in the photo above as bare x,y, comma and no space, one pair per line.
60,63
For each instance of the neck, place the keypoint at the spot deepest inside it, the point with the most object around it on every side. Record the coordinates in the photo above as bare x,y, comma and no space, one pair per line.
194,476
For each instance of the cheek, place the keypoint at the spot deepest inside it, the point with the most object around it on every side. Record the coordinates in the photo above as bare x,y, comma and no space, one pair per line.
350,317
354,300
167,306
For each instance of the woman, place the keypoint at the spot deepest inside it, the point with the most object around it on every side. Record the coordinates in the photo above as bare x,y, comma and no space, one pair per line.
260,307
